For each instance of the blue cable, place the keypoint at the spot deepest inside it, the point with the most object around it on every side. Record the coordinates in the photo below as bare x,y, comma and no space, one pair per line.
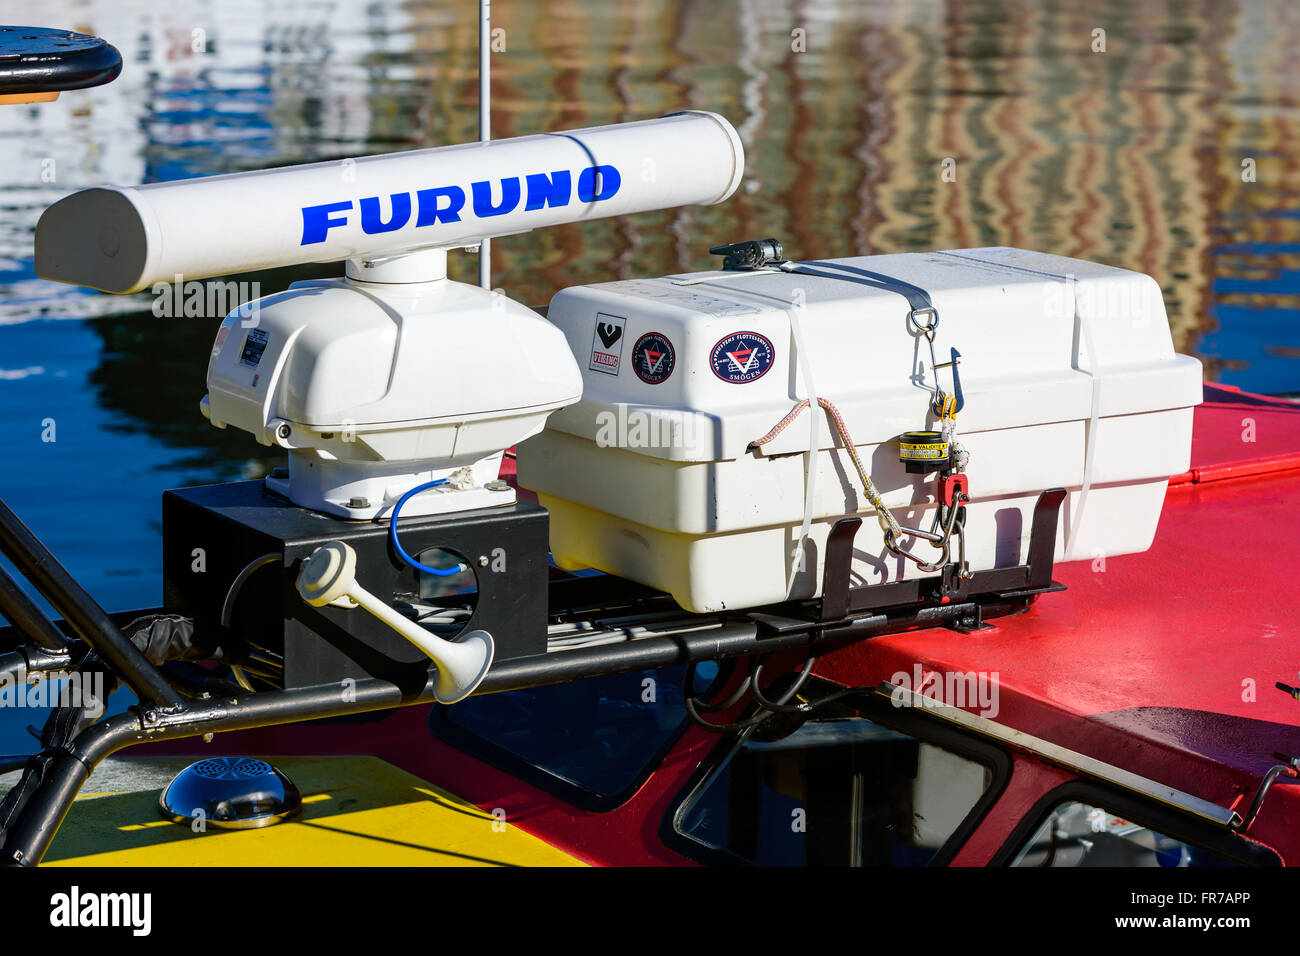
401,552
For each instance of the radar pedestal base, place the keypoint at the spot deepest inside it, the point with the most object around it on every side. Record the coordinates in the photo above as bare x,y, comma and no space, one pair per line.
361,490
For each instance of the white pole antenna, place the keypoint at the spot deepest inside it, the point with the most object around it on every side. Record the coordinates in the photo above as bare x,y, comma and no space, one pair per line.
485,119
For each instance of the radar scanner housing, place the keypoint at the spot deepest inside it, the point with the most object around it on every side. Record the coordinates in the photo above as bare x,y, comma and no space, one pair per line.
394,375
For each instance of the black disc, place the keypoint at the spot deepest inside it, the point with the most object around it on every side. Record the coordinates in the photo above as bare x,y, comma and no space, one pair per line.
39,60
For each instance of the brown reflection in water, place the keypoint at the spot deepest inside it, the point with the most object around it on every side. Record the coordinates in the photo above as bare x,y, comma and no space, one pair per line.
1130,157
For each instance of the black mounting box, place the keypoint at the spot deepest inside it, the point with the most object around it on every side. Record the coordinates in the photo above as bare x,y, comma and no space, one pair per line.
211,533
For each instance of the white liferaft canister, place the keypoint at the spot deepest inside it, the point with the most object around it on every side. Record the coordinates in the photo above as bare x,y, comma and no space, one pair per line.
1069,378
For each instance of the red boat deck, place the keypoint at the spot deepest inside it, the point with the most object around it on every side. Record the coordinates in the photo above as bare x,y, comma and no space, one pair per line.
1173,652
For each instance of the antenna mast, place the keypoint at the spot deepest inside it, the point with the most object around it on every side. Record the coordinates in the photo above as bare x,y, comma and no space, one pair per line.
485,119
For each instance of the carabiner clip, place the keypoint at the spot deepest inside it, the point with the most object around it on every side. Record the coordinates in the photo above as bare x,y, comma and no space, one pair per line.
937,565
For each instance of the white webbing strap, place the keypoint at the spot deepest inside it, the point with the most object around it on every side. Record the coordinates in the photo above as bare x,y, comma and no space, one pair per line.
814,448
1090,443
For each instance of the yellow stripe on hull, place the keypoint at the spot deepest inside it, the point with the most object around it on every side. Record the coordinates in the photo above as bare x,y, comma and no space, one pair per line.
357,811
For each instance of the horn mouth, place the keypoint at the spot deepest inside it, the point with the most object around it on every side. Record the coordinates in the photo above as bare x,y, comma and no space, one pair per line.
463,665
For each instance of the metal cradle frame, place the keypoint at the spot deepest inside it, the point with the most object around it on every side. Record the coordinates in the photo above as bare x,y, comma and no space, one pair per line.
637,628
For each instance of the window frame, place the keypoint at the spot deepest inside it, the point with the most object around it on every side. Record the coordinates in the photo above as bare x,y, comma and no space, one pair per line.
574,794
1167,821
869,705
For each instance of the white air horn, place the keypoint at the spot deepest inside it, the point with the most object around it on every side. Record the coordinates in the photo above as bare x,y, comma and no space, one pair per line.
328,576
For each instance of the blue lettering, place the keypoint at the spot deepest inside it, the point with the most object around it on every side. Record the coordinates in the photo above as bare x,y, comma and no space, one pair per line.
317,222
370,221
430,212
444,204
550,190
598,182
483,207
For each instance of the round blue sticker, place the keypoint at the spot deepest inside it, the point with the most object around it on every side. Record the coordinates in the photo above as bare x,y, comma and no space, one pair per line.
742,357
653,358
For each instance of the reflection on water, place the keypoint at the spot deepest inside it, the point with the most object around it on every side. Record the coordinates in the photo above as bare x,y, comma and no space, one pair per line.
1132,156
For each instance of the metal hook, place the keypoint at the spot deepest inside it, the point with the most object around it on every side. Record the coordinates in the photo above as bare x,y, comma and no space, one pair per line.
957,383
928,330
940,542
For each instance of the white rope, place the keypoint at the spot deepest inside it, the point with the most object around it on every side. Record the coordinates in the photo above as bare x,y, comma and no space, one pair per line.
888,525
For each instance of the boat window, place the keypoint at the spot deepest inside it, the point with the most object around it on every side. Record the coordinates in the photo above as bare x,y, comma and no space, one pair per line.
591,742
843,790
1077,834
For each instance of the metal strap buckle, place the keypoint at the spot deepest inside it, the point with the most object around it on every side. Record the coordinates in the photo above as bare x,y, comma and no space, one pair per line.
928,329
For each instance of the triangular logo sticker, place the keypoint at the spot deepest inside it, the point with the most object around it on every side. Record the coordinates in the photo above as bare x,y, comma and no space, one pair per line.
742,359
